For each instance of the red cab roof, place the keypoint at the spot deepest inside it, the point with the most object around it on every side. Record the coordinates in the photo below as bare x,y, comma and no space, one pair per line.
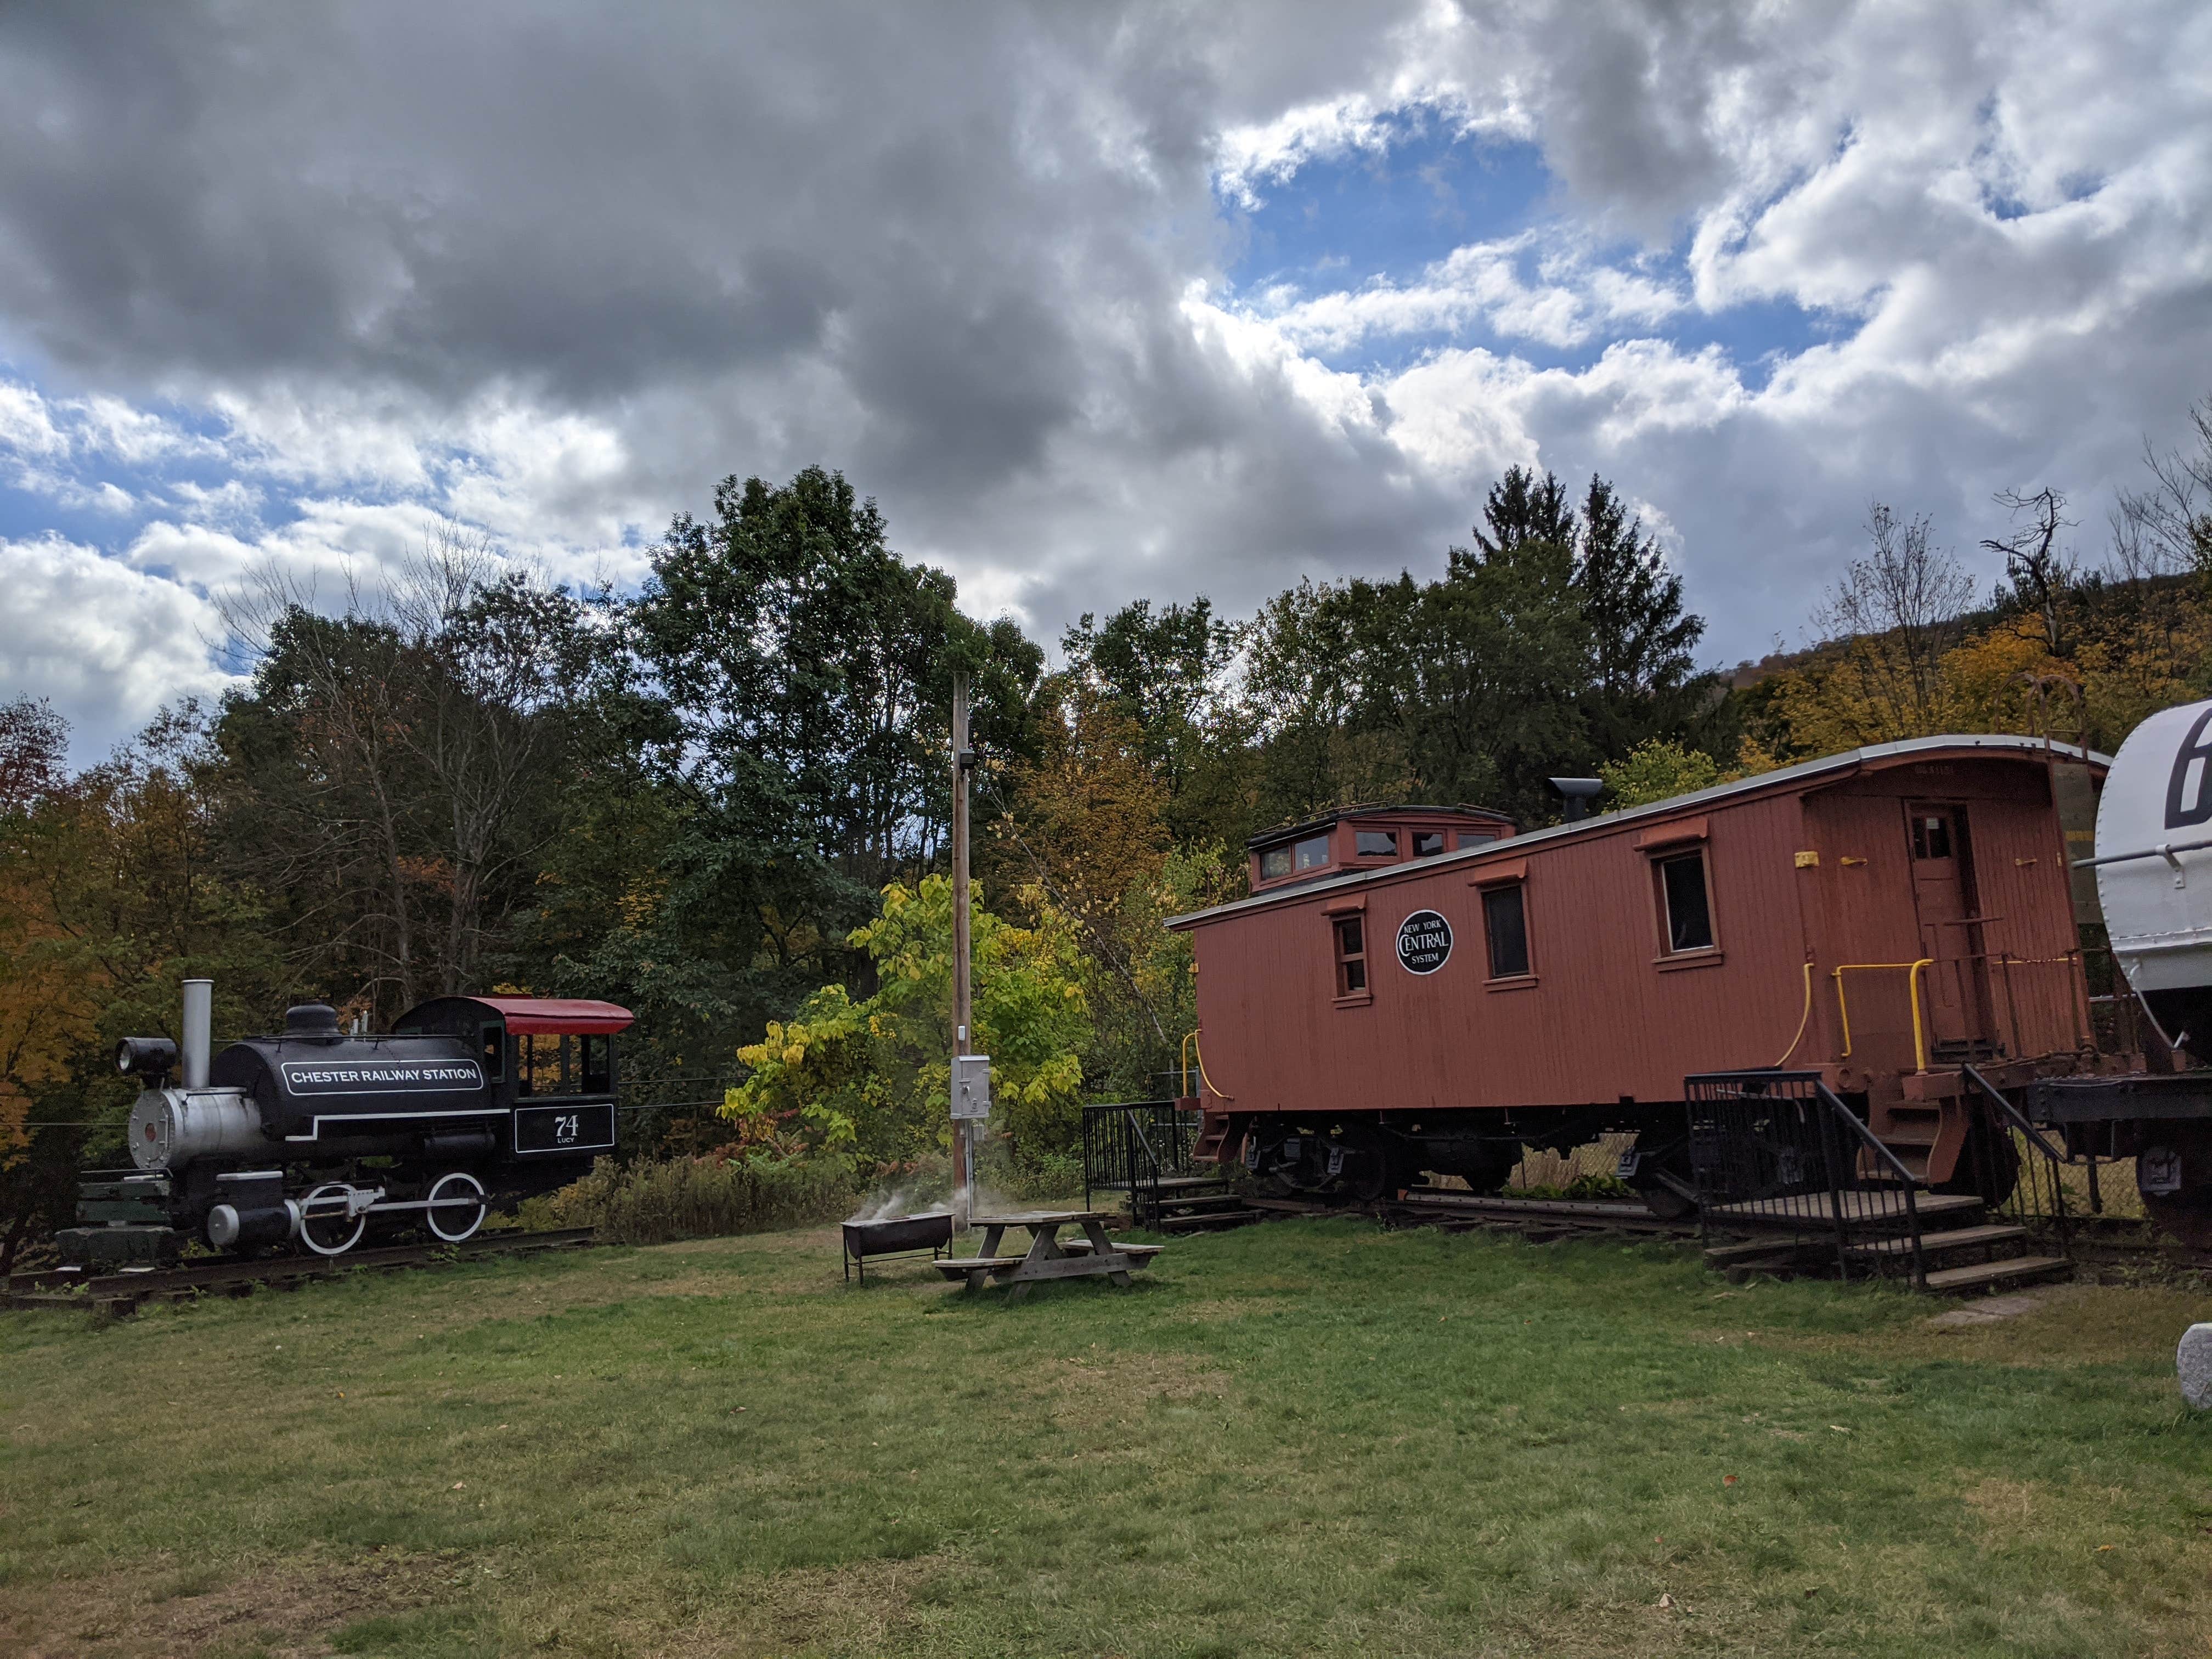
558,1015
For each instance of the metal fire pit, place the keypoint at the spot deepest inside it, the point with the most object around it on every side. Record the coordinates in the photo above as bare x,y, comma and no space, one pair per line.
900,1236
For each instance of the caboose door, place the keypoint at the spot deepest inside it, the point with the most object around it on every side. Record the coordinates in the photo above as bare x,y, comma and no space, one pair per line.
1954,990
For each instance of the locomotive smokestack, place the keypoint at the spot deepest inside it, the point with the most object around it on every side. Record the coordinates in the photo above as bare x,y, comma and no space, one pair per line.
199,1022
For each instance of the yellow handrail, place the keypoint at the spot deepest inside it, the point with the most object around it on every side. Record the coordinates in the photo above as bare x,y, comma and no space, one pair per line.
1803,1019
1192,1046
1912,972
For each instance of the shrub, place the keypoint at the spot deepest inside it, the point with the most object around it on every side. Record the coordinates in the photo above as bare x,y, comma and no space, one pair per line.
703,1197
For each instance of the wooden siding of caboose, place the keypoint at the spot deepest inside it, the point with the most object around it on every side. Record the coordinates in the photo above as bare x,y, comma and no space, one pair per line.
1604,1014
1861,907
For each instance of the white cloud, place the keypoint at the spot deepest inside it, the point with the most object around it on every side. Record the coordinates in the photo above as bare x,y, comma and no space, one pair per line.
108,644
1001,303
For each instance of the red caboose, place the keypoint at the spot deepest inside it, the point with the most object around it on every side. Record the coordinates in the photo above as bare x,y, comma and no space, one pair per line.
1427,993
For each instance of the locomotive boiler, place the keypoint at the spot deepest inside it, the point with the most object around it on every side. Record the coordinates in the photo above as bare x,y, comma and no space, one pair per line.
312,1136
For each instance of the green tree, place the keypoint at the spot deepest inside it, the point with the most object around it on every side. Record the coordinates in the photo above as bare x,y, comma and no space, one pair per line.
1657,770
871,1078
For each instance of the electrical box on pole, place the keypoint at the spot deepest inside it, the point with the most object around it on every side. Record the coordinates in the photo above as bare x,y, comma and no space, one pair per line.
971,1088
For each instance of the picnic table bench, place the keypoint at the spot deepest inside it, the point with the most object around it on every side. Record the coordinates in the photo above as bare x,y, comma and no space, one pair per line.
1093,1255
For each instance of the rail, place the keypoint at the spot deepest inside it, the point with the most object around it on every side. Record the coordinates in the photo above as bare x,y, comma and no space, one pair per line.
1911,971
2164,849
2027,1191
1779,1154
1998,966
1134,1146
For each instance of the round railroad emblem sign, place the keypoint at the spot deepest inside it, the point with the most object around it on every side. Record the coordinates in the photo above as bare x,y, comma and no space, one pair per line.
1424,942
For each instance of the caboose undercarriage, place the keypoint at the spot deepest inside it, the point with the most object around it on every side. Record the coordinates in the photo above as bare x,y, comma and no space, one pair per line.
1360,1157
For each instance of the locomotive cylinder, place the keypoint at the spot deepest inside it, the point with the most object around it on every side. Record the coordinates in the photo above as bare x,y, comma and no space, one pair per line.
229,1225
172,1128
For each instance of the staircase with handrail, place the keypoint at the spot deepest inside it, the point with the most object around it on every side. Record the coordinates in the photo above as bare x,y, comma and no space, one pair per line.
1790,1177
1152,1149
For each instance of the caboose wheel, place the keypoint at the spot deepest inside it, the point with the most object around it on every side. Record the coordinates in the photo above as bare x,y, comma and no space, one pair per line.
333,1229
2173,1174
456,1206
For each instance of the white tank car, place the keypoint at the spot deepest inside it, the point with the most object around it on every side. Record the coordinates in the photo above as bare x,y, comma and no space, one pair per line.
2154,868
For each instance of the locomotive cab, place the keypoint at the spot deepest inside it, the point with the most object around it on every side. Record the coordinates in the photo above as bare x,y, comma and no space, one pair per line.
547,1063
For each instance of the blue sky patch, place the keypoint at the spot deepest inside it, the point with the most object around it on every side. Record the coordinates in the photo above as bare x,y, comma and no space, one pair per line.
1350,222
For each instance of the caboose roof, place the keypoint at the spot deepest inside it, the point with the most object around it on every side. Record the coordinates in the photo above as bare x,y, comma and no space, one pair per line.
555,1015
1786,778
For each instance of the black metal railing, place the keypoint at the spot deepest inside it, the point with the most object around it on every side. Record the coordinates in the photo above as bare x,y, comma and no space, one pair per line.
1132,1146
1777,1156
2016,1168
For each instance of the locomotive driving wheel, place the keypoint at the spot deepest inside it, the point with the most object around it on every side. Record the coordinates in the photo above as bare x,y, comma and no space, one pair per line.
456,1206
329,1224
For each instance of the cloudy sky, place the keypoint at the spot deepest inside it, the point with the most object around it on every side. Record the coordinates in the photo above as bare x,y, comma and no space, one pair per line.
1098,301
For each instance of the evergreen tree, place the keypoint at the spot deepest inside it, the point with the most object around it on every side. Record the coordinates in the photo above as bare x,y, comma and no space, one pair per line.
1644,682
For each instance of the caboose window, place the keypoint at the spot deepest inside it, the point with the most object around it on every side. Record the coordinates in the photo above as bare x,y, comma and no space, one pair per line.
1505,921
1682,894
1275,862
1375,843
1350,957
1427,843
1931,835
1311,853
1476,837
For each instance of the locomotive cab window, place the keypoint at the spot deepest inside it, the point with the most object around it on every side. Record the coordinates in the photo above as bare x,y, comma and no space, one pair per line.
1375,843
491,1048
1505,924
1351,955
597,1064
1685,911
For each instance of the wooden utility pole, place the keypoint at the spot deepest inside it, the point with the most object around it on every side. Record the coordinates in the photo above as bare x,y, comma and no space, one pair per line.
964,1150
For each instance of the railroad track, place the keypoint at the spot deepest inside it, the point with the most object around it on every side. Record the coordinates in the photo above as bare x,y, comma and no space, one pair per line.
1535,1218
121,1292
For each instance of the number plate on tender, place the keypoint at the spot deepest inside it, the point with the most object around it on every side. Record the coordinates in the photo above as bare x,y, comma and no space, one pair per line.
585,1126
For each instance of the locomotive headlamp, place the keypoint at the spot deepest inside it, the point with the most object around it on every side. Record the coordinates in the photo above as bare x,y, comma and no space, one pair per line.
145,1056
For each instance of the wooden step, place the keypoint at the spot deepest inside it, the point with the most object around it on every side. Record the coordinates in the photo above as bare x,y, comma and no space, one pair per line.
1721,1256
1997,1273
1959,1238
1860,1207
1781,1262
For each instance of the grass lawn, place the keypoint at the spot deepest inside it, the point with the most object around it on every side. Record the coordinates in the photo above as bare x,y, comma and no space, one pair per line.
1300,1439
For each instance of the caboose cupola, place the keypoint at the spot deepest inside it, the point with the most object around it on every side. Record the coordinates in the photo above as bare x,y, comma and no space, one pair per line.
1366,838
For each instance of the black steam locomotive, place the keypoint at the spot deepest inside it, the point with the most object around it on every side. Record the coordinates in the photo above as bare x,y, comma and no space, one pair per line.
312,1137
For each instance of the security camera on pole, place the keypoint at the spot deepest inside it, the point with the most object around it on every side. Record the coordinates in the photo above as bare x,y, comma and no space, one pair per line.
971,1073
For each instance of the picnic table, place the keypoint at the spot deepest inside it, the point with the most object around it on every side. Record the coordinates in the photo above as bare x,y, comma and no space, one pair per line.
1050,1256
